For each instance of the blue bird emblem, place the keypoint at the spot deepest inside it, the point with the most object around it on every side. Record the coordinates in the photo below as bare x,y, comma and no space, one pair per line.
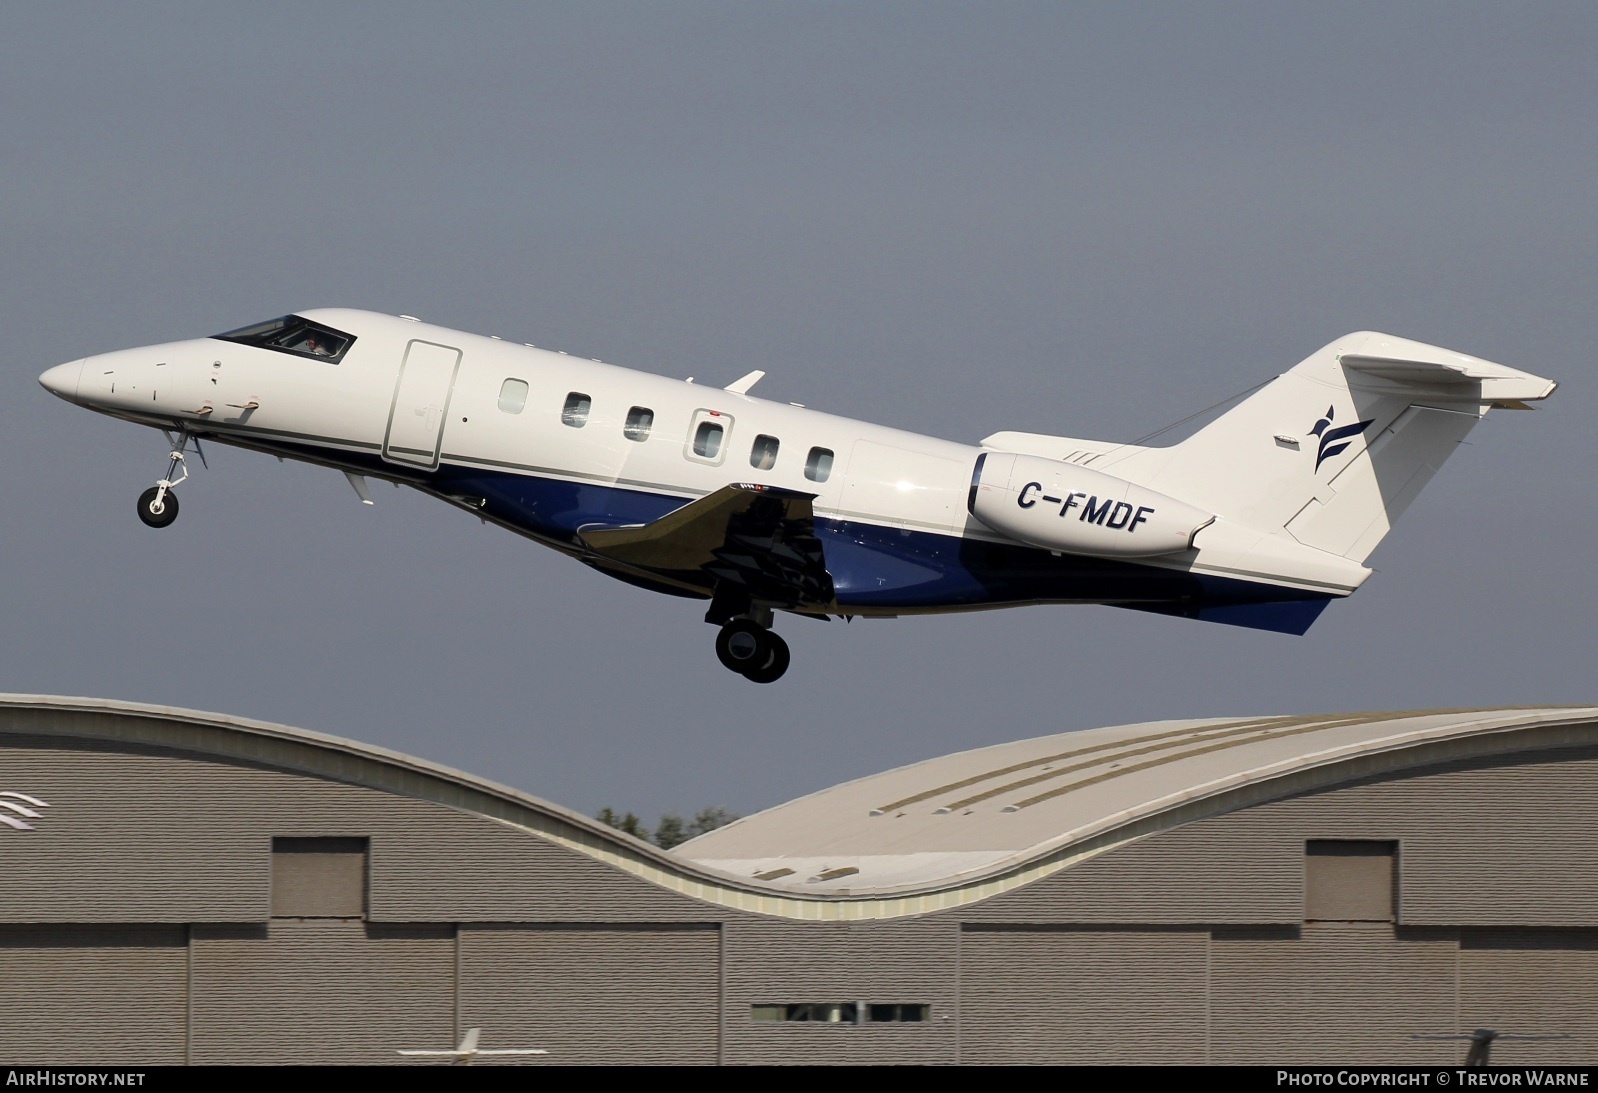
1335,441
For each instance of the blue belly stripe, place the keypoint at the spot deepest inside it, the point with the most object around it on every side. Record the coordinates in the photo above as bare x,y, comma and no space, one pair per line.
875,567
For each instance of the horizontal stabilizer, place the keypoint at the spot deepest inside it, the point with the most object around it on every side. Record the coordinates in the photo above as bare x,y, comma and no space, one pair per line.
1497,383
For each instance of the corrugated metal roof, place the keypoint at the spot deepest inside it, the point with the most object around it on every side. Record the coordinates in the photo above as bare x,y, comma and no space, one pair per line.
975,813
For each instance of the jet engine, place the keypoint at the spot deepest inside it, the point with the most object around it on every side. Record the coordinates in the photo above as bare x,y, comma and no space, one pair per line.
1061,506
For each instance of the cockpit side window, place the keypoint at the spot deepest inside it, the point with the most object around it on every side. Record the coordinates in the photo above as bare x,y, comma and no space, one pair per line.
292,334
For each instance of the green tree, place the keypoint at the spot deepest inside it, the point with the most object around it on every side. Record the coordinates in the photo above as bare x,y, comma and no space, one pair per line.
628,823
670,831
708,819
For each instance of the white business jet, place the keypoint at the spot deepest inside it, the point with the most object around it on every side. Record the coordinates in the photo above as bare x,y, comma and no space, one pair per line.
1259,519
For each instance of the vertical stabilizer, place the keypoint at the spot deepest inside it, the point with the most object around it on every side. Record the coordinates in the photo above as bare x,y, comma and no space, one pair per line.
1333,451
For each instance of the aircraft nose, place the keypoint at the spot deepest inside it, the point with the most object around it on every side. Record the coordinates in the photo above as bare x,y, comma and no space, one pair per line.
63,380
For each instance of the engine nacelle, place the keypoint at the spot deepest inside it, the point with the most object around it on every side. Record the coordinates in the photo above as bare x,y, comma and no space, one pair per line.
1061,506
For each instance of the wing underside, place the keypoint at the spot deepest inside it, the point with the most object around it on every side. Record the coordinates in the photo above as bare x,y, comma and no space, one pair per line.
758,540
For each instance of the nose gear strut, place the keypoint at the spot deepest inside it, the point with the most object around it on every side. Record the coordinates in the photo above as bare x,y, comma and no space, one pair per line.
158,505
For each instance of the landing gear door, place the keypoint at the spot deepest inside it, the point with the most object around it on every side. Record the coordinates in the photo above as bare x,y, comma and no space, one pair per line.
416,417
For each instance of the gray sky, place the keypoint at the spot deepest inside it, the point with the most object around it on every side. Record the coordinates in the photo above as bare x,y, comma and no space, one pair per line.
1067,218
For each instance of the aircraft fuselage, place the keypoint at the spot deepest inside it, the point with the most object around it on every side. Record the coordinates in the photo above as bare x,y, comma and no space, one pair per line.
772,506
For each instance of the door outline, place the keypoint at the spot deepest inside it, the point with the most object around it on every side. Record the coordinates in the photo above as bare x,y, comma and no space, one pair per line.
716,417
417,457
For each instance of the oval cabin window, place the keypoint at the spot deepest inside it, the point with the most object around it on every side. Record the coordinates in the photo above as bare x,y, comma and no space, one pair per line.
763,456
575,412
640,419
818,468
513,396
707,440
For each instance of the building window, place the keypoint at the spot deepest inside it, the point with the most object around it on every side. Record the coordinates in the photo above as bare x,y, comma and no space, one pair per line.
763,456
898,1011
1350,880
842,1013
831,1013
640,419
513,396
575,412
818,467
319,878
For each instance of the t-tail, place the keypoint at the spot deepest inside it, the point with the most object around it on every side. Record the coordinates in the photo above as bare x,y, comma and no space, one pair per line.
1279,501
1332,452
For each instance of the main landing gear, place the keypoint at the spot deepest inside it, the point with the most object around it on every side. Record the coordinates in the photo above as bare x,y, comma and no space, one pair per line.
158,505
750,649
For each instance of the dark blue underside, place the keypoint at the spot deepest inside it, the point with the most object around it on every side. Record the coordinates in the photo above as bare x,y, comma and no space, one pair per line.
880,568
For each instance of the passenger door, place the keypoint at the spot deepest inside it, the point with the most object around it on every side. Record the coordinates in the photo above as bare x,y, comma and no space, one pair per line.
416,417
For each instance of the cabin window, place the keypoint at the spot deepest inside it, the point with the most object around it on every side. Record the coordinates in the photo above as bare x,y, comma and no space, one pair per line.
818,467
640,419
763,456
575,412
292,334
513,396
707,440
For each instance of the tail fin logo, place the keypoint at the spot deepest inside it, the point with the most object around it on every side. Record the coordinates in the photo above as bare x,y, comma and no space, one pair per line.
1335,441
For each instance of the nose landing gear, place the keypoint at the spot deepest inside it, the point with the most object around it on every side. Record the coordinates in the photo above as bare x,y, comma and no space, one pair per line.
158,505
751,650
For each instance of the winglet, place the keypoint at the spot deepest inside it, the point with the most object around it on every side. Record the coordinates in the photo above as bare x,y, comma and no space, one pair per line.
741,386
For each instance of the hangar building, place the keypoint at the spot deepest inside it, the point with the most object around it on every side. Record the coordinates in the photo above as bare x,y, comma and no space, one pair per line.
185,887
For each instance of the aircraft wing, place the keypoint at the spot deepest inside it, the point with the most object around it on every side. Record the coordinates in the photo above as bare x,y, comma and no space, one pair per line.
759,538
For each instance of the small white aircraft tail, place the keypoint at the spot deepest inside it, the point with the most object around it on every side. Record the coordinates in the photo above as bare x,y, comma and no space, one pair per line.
1333,451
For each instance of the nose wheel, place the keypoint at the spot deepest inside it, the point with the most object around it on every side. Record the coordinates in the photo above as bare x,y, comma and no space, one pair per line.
757,654
158,505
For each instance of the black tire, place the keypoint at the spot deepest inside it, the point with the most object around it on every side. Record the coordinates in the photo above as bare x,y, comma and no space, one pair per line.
150,515
741,644
776,662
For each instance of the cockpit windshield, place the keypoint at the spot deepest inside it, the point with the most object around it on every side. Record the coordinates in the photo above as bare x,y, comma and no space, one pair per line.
292,334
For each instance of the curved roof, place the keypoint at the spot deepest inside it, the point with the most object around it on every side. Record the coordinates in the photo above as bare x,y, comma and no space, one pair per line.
935,834
1037,805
